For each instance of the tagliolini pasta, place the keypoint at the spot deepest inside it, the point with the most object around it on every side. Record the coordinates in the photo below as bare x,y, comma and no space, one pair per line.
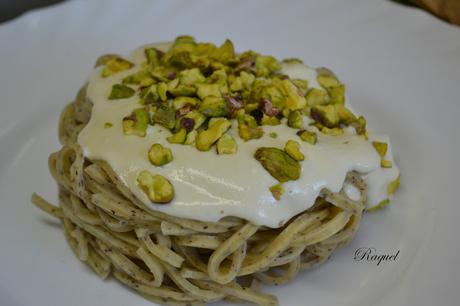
128,232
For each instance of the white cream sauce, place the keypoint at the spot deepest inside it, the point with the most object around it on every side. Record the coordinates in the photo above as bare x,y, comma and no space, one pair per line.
210,186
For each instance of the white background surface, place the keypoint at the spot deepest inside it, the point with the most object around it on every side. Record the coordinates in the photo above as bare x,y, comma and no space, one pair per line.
402,70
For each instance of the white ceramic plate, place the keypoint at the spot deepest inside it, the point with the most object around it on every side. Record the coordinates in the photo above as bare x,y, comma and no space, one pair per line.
402,69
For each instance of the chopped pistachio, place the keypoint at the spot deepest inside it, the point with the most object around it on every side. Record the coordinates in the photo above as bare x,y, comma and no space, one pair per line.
162,89
178,137
316,96
136,123
197,117
266,120
226,145
183,90
153,56
393,186
157,187
120,91
360,125
381,148
386,163
213,106
293,99
326,78
104,59
205,139
292,60
292,148
301,84
225,52
191,76
180,102
191,136
337,94
345,115
336,131
277,191
204,90
379,206
108,125
273,135
272,93
266,65
143,78
115,65
326,115
160,155
244,81
165,117
149,95
278,163
307,136
248,128
295,120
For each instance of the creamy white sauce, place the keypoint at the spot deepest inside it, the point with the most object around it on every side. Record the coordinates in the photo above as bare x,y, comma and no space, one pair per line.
208,186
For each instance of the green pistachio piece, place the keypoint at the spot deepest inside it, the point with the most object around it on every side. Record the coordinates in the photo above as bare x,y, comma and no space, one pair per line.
159,155
292,60
337,94
393,186
115,65
104,59
294,100
149,95
295,120
316,96
136,123
165,116
142,78
120,91
178,137
191,136
302,84
157,187
326,78
308,136
183,90
191,76
225,52
180,102
278,163
266,65
381,148
248,128
332,131
226,145
277,191
379,206
326,115
205,139
292,148
162,73
204,90
345,115
162,89
213,106
153,56
219,77
271,92
243,81
360,126
267,120
108,125
197,117
273,135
